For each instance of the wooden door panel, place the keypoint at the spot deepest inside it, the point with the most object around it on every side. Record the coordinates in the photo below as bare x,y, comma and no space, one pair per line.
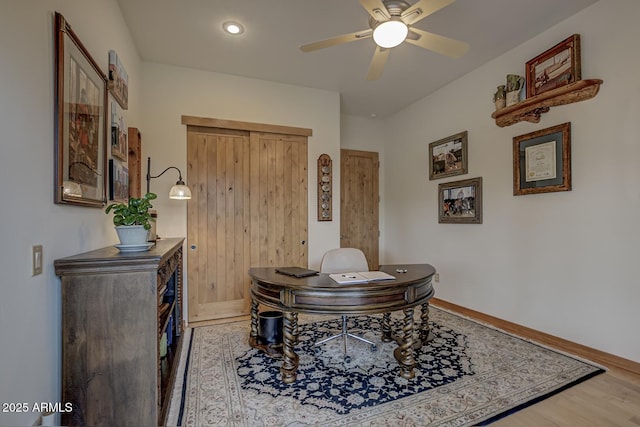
359,200
279,217
249,208
219,171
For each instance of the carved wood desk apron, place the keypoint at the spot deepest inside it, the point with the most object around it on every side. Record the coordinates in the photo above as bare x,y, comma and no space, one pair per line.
321,295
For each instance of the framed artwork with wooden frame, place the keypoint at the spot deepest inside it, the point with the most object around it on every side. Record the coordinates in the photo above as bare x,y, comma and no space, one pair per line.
554,68
119,133
542,161
118,181
118,82
80,125
448,156
460,202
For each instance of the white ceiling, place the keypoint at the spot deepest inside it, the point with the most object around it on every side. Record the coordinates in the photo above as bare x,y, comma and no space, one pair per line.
189,33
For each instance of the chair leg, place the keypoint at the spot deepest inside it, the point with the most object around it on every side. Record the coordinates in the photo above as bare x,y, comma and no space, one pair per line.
359,338
345,334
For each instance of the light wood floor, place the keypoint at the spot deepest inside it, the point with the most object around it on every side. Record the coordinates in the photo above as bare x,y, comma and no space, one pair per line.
608,399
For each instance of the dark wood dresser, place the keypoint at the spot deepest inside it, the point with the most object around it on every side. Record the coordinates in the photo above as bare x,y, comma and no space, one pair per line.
116,308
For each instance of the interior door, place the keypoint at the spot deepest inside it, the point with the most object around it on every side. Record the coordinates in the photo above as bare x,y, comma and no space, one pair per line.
249,208
359,200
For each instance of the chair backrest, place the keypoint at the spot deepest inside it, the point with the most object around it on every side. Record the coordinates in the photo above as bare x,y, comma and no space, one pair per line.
344,260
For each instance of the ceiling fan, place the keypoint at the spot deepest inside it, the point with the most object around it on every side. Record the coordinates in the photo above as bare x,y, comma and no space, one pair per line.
390,24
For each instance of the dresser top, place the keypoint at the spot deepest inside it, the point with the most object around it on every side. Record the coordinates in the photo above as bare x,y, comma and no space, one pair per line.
110,258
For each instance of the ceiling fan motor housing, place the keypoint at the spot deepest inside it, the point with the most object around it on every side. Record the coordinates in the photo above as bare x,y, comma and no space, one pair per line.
394,8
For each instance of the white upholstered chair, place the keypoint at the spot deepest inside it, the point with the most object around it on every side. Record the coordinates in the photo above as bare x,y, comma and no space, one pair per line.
344,260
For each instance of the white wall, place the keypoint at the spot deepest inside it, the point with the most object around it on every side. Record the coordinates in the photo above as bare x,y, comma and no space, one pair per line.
170,92
563,263
30,330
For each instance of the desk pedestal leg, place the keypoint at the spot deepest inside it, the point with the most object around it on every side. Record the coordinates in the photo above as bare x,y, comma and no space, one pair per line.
425,330
386,328
290,358
404,352
253,335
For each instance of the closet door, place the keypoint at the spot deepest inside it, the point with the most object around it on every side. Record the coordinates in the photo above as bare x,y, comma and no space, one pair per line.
249,208
359,200
278,200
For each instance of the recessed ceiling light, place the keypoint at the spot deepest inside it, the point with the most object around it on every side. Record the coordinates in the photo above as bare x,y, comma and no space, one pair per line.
233,28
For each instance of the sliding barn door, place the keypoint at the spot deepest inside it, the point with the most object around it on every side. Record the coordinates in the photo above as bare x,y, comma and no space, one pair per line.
279,210
249,208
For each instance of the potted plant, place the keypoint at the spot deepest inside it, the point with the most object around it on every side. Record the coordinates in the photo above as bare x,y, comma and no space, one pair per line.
132,219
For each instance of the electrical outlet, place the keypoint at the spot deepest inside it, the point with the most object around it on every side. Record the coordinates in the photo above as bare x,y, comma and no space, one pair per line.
436,277
36,259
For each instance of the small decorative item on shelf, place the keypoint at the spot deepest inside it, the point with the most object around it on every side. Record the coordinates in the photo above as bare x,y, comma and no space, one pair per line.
499,98
515,84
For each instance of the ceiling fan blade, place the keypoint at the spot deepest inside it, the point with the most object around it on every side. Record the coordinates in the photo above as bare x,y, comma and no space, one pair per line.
378,61
439,44
345,38
422,9
376,9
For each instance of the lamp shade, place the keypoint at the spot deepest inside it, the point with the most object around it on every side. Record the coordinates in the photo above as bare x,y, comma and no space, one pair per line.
180,192
390,33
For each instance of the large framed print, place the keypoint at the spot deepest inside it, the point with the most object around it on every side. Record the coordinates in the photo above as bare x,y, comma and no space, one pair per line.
448,156
80,121
542,161
554,68
460,202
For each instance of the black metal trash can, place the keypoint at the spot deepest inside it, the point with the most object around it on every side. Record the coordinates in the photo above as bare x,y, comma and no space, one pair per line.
270,327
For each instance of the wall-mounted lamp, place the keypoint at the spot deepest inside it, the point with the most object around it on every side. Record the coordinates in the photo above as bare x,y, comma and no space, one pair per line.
180,191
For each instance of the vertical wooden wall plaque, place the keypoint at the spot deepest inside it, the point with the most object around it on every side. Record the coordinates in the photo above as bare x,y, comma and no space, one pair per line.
135,163
325,187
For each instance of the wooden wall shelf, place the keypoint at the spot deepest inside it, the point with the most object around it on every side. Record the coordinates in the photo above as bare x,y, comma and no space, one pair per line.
531,108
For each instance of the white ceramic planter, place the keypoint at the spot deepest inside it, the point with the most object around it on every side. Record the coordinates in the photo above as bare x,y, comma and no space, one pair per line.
132,234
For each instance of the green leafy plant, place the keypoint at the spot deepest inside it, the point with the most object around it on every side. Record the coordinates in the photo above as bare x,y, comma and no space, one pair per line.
134,212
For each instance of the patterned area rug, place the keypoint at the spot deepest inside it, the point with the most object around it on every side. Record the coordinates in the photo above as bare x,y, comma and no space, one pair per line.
469,374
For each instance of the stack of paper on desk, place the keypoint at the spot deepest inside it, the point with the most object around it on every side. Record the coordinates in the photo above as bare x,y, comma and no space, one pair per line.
361,277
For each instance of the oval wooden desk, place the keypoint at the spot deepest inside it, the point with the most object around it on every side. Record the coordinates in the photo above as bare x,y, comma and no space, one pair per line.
321,295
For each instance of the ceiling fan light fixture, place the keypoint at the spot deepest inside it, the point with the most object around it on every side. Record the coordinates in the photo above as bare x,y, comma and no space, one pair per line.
390,33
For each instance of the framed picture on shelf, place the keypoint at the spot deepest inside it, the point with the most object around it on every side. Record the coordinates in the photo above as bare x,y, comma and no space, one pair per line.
542,161
80,95
118,181
118,133
460,202
448,156
554,68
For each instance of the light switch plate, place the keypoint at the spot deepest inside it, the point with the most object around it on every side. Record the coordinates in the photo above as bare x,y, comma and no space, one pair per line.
36,260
